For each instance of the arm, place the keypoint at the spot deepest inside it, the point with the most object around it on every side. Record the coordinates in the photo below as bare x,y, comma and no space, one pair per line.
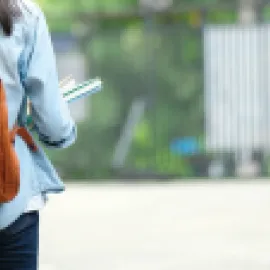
50,112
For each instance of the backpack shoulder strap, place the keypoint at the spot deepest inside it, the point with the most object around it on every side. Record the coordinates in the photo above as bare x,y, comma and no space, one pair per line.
9,163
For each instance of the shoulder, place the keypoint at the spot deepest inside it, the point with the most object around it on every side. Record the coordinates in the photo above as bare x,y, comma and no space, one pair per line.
31,11
29,26
32,20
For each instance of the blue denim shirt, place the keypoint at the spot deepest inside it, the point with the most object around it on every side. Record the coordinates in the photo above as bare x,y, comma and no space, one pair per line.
28,69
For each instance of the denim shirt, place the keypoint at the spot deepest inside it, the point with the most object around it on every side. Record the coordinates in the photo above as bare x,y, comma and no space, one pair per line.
28,69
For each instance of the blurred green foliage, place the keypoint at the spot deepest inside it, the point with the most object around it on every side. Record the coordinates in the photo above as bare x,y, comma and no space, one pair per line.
159,59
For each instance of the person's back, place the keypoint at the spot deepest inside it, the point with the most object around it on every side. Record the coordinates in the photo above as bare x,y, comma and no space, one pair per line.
28,70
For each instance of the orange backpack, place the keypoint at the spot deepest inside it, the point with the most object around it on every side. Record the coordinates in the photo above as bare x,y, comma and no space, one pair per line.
9,162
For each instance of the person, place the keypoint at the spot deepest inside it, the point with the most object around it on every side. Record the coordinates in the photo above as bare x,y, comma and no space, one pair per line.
28,72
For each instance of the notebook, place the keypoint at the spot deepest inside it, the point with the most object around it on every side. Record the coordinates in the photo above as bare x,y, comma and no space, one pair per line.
72,91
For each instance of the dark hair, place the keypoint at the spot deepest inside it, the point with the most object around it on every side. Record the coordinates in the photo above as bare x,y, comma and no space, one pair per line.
9,10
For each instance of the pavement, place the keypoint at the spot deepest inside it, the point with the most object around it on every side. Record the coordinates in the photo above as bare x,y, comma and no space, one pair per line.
189,226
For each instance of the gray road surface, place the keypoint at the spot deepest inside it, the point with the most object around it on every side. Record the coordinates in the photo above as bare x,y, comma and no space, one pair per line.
158,227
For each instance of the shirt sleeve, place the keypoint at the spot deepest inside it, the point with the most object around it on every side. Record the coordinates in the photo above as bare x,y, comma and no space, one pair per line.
50,112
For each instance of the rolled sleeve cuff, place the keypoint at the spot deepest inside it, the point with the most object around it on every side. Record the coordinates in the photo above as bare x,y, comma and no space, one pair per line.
63,143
